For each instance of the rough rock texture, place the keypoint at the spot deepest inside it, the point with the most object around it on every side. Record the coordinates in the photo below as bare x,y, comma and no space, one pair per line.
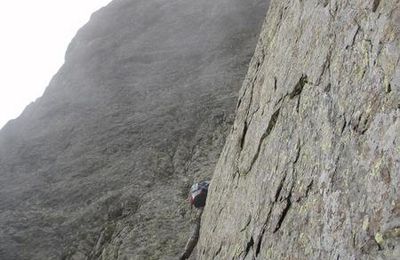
99,167
311,167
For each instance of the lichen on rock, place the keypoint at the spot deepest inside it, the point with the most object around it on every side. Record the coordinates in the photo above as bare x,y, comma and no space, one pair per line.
320,181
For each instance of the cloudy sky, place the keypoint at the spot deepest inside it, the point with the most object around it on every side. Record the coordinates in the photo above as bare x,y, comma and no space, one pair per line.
34,38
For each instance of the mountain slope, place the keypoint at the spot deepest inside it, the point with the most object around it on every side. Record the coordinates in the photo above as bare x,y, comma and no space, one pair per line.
311,167
99,166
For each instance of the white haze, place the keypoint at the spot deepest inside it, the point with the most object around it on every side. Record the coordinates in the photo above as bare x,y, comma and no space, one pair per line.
34,37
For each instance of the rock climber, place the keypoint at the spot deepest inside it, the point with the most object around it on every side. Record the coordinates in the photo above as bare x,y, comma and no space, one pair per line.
197,198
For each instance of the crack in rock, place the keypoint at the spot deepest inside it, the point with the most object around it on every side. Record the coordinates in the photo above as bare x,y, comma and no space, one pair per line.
283,214
260,242
360,122
280,186
299,87
249,246
247,224
243,136
271,125
218,251
375,5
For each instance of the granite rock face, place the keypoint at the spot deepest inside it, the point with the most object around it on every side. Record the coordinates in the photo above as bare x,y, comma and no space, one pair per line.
99,167
311,167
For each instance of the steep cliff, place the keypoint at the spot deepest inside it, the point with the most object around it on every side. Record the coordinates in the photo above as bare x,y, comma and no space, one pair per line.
99,167
311,167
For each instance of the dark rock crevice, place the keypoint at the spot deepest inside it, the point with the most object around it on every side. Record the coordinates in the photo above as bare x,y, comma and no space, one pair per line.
247,224
270,127
218,251
298,88
279,189
283,214
360,122
259,243
243,137
375,5
249,246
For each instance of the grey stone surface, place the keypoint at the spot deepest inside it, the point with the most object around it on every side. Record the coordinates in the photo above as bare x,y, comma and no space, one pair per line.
99,167
311,167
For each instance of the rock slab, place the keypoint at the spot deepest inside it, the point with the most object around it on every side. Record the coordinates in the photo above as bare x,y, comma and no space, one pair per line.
311,167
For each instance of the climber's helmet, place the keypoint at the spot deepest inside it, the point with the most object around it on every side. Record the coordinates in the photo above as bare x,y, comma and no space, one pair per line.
198,194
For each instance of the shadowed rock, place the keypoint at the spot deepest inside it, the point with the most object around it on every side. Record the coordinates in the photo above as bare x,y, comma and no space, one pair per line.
100,165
